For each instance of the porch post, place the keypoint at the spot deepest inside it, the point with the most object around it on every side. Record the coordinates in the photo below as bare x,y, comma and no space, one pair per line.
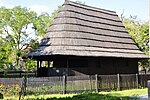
48,64
37,67
37,64
67,67
40,64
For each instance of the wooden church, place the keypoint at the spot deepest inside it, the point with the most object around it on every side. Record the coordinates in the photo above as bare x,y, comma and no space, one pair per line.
85,40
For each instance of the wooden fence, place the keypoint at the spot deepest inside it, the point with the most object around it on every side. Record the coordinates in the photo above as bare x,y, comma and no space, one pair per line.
76,84
16,74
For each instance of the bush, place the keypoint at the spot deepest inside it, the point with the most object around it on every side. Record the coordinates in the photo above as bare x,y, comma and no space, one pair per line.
10,90
1,96
87,96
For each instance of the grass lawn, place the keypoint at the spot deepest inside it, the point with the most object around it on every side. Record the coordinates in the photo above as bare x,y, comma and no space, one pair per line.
132,92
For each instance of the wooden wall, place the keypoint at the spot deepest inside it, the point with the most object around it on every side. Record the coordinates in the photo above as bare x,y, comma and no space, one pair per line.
101,66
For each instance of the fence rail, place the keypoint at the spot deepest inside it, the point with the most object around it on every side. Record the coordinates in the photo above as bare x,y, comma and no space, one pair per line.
75,84
16,74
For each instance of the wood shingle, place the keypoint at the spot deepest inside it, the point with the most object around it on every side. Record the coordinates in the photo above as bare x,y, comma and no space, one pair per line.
82,30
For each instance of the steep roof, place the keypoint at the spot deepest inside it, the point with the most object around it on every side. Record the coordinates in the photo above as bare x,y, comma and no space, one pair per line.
83,30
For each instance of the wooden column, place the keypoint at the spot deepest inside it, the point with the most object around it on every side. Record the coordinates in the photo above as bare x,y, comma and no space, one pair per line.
64,84
40,64
137,81
37,67
67,67
96,83
118,77
48,64
37,64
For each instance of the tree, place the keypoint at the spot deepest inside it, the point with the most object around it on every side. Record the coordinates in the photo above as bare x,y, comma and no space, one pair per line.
41,26
4,54
139,31
15,30
18,26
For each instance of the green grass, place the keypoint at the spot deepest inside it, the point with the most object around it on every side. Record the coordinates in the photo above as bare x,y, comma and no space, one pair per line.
124,93
132,92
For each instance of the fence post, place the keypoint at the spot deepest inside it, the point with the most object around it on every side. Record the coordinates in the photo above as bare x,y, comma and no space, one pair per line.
23,87
96,83
118,77
3,74
20,74
64,84
148,85
137,81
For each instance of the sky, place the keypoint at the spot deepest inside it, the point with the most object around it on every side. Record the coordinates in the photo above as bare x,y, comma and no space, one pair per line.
137,8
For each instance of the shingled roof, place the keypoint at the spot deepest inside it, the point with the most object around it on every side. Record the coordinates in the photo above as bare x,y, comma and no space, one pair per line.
82,30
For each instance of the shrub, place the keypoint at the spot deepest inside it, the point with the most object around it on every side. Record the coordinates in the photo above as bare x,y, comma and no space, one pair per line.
1,96
10,90
87,96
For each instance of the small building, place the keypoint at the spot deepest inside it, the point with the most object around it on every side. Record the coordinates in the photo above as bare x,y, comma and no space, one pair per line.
85,40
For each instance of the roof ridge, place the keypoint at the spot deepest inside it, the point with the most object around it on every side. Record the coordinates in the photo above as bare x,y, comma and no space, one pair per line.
71,2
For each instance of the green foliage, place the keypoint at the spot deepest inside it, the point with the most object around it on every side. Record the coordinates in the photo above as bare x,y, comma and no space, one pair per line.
10,90
30,64
15,24
87,96
124,93
15,38
139,31
41,23
4,53
54,13
1,96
